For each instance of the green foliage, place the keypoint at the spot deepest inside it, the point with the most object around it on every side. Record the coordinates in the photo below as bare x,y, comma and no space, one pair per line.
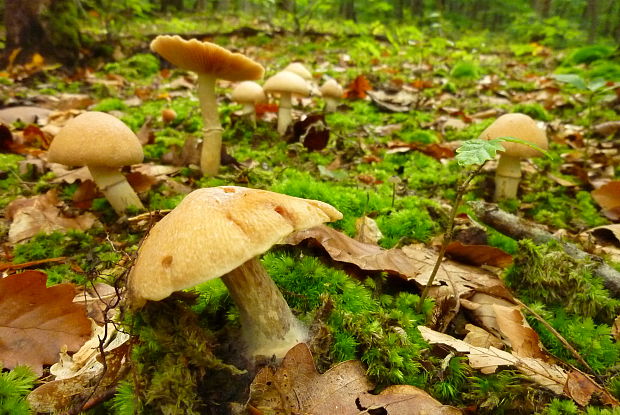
560,407
137,67
10,186
419,136
589,54
453,380
497,392
534,110
478,151
465,70
555,31
110,104
124,401
558,208
14,387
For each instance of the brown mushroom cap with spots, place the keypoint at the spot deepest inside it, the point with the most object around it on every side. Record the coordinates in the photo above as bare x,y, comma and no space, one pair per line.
508,172
210,62
219,232
103,143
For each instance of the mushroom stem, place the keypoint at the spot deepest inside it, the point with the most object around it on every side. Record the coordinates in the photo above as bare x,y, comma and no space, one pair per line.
249,111
507,177
115,188
267,321
284,112
330,104
212,139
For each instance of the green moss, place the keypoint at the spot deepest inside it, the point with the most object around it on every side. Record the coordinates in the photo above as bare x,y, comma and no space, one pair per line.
465,70
137,67
14,387
110,104
419,136
10,185
589,54
534,110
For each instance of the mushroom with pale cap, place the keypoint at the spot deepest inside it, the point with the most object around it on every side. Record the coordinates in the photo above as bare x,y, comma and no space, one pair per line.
286,84
508,171
332,92
210,62
249,93
103,143
299,69
220,232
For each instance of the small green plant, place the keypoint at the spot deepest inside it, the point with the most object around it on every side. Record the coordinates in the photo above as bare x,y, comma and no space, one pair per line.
14,386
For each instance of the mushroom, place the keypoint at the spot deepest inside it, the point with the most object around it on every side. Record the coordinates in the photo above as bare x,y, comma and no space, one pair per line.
332,92
220,232
249,93
299,69
103,143
508,171
286,84
210,62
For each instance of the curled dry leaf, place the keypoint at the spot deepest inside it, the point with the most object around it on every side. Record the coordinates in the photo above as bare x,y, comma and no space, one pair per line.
296,387
608,197
40,214
36,322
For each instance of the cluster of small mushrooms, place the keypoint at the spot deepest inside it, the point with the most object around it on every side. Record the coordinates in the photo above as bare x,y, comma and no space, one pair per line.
221,231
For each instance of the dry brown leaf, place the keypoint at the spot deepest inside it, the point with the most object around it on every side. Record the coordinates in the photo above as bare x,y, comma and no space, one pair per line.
36,322
40,214
523,339
607,128
86,192
479,337
24,114
615,329
367,230
608,197
607,232
479,254
358,88
297,388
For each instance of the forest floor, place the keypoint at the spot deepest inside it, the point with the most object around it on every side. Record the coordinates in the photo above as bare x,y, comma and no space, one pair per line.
513,324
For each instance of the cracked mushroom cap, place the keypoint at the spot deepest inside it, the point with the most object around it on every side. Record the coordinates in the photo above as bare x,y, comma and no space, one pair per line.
332,89
206,57
213,231
284,82
248,92
95,139
519,126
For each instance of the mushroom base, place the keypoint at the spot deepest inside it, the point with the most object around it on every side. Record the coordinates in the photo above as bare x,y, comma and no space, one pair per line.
284,112
268,325
115,188
507,177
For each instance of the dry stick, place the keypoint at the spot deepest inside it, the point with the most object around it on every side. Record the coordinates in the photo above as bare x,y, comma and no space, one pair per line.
10,266
519,228
447,237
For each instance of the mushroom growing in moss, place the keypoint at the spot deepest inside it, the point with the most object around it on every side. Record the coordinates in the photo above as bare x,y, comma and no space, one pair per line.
508,172
103,143
286,84
210,62
331,92
220,232
249,93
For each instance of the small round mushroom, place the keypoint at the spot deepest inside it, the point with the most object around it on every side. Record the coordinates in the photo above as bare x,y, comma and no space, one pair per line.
210,62
220,232
286,84
332,92
103,143
508,172
249,93
299,69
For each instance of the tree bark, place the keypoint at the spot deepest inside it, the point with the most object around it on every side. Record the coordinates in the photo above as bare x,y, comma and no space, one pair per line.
519,228
592,19
417,9
545,8
347,10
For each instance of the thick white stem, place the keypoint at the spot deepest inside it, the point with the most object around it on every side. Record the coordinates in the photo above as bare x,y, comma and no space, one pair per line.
507,177
330,104
115,188
212,130
284,112
268,325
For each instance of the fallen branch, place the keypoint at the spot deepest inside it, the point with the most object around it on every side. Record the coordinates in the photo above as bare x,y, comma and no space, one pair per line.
519,228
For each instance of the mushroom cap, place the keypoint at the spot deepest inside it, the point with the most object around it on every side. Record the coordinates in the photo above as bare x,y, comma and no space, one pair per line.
299,69
95,139
248,92
519,126
285,81
332,89
206,58
213,231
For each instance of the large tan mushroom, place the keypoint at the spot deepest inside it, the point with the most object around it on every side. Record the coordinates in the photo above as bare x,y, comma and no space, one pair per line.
210,62
286,84
508,172
220,232
103,143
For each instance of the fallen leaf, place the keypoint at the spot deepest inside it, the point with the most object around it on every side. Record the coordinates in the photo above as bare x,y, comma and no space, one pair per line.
312,132
24,114
296,387
86,192
358,88
478,254
523,339
479,337
40,214
36,321
607,232
607,129
400,101
608,197
141,182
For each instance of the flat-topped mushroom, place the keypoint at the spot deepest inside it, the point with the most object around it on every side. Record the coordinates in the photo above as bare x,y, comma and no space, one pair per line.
508,171
210,62
331,92
286,84
103,143
220,232
248,93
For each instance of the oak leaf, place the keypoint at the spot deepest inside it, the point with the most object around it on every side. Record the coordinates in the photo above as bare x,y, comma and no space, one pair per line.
36,321
608,197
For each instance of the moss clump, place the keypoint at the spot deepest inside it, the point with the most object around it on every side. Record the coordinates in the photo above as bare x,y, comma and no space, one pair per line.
173,361
140,66
14,387
465,70
589,54
110,104
534,110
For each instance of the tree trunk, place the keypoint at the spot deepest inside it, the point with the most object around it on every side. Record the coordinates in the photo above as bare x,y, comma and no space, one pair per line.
592,19
47,27
347,10
545,8
417,9
398,10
